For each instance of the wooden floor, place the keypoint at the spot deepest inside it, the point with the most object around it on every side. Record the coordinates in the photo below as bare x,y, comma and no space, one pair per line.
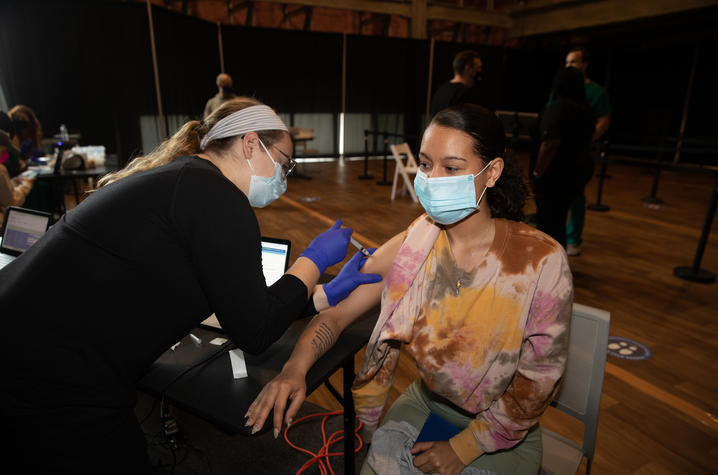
657,416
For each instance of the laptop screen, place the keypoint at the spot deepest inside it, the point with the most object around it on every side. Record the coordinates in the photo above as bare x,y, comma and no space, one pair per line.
275,261
22,228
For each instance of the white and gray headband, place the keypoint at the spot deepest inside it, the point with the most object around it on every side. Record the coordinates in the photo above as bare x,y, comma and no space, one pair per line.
249,119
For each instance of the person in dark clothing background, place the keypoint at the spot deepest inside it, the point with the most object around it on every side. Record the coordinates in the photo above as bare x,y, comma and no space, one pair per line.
28,132
160,246
564,165
461,88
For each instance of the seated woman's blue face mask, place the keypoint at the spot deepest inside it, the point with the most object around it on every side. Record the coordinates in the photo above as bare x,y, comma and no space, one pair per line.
448,199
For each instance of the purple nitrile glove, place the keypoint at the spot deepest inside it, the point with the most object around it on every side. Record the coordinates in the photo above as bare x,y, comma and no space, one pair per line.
330,247
349,278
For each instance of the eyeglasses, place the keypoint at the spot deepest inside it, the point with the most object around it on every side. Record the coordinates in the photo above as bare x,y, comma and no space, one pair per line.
289,166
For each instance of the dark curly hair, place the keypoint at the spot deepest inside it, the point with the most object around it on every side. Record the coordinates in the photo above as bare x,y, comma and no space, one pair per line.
508,196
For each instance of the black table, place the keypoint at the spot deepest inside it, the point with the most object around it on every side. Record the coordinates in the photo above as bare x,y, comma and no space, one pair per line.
57,182
209,390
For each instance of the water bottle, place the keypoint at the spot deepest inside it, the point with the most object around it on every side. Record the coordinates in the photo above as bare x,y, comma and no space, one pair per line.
64,135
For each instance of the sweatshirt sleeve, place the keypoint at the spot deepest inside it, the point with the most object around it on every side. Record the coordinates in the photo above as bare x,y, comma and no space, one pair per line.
370,397
10,193
218,228
541,365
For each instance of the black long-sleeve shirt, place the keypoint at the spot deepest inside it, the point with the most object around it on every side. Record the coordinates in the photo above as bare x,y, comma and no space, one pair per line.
125,275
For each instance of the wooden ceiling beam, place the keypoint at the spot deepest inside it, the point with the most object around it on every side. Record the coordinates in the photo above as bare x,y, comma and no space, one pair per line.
590,14
414,10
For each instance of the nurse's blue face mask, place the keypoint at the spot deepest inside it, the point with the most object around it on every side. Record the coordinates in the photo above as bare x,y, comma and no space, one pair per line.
448,199
265,190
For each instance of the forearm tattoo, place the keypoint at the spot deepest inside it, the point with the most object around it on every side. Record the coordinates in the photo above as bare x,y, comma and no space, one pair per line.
323,339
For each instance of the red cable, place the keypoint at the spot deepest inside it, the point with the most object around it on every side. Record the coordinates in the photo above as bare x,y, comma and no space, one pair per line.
323,452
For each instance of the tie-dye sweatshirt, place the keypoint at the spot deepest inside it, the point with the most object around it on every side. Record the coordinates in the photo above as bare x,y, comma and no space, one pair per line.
492,341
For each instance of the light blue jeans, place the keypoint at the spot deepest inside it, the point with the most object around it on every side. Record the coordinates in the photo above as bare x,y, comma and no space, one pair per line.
414,406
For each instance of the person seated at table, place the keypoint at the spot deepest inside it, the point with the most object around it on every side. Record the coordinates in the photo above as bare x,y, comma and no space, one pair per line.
13,189
479,300
28,132
9,153
159,247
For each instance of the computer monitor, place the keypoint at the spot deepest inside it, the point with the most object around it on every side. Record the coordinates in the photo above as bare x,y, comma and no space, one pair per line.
275,258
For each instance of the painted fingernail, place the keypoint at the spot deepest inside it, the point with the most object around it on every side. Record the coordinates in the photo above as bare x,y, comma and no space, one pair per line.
255,429
248,423
289,421
276,433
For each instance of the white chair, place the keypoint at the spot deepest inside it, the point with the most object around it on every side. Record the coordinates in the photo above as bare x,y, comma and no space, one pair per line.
404,169
580,393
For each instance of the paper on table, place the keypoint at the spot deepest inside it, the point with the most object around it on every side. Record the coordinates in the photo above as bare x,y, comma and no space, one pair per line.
239,368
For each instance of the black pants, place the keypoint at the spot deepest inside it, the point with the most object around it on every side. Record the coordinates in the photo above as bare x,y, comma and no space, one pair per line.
74,440
552,212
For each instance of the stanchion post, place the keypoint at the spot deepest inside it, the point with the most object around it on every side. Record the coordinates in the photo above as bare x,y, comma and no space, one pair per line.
597,206
652,199
366,175
384,181
695,273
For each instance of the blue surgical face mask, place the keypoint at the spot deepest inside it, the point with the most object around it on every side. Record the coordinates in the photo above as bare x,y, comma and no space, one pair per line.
448,199
265,190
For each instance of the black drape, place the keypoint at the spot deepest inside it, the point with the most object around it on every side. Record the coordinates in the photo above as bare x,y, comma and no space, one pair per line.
388,75
84,64
291,71
188,61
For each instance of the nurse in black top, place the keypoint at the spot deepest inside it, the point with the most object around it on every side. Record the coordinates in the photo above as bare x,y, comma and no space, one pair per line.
160,246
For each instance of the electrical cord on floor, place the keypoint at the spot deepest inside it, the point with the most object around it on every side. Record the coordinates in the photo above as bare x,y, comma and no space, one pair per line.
323,453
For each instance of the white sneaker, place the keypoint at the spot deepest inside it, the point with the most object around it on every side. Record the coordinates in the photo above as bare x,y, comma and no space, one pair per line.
573,249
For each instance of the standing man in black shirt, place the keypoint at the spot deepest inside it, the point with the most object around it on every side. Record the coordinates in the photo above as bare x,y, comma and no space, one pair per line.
160,246
462,88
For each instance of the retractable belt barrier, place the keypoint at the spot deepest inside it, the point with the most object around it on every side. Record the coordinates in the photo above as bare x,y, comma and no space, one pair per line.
385,136
693,273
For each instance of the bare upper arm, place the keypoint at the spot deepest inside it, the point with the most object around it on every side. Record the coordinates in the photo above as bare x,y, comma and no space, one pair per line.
366,296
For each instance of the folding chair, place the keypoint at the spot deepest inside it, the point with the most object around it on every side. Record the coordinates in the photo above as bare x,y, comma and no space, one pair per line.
404,169
580,393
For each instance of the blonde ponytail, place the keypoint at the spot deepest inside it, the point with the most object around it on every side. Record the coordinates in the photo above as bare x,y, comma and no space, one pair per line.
184,142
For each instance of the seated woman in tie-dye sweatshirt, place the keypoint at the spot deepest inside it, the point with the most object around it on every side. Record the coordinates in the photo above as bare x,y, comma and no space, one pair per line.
480,301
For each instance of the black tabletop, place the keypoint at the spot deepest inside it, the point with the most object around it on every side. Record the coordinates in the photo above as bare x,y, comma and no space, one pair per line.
209,389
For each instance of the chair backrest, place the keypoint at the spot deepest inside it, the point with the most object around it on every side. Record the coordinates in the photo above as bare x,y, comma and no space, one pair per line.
580,393
403,149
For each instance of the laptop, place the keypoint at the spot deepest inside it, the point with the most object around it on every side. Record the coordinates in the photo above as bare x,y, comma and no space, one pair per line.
275,262
21,229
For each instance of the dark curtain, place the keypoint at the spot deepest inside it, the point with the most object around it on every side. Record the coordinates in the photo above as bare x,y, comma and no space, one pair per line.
188,61
389,75
527,77
291,71
84,64
701,123
648,91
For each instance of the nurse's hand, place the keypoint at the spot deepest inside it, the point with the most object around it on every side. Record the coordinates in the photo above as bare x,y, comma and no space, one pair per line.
330,247
349,278
290,384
